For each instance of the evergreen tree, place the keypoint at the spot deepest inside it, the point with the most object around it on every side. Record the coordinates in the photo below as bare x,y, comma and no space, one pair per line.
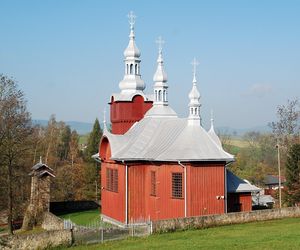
64,145
93,141
92,179
293,175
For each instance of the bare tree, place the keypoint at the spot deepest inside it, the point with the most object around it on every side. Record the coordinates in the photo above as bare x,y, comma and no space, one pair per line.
15,132
288,125
74,149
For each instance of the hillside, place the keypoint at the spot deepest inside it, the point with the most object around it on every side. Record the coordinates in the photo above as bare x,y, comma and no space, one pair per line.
81,127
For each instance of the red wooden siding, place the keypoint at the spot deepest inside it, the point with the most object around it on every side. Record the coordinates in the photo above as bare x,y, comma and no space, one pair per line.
205,190
113,203
246,202
141,204
239,202
125,114
205,183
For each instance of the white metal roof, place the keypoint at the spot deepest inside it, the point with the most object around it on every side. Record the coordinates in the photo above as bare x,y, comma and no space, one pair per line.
127,96
165,139
237,185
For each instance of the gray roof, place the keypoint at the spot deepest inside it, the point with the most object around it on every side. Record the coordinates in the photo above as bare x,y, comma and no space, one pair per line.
165,139
45,172
272,180
237,185
41,165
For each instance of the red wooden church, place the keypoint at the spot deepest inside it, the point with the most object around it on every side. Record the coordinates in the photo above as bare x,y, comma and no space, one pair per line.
155,165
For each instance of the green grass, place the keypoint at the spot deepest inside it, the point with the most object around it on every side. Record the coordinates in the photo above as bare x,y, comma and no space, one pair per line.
276,234
83,218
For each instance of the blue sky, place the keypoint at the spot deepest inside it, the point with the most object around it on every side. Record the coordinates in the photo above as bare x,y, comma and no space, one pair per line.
67,56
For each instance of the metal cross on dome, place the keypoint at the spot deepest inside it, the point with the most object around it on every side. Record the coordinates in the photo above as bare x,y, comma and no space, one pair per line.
195,63
160,43
131,18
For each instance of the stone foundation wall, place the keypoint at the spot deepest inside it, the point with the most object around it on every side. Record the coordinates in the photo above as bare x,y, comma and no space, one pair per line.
38,240
223,219
52,222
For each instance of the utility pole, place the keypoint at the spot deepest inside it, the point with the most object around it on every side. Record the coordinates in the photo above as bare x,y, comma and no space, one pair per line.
279,172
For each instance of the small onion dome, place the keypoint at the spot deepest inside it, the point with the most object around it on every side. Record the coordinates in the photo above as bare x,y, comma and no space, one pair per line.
194,95
160,74
132,50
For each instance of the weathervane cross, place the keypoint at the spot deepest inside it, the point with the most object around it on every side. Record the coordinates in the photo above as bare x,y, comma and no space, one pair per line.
160,43
131,18
195,63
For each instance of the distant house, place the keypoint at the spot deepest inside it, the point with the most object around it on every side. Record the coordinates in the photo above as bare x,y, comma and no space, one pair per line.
271,183
239,193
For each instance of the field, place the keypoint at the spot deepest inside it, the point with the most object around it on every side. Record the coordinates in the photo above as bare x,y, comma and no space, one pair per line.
83,139
276,234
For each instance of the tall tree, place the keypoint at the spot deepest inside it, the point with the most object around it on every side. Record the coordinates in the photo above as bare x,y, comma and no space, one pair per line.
92,179
93,141
293,175
64,144
15,133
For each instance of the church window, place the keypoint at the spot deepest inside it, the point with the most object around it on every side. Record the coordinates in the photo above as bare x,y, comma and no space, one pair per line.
112,179
131,69
196,111
153,183
177,185
155,95
127,69
136,72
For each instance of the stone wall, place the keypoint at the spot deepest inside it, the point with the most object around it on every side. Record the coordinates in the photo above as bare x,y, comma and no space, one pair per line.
223,219
38,240
52,222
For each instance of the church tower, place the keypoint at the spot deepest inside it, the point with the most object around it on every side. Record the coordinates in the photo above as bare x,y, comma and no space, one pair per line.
194,96
130,105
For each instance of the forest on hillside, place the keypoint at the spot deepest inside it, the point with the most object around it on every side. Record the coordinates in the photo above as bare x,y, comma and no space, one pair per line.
77,175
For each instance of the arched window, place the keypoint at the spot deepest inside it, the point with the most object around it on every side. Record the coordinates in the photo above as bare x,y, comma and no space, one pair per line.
159,95
131,69
127,69
136,69
156,95
165,95
196,111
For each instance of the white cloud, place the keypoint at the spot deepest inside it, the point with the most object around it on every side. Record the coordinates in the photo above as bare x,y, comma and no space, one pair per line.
259,90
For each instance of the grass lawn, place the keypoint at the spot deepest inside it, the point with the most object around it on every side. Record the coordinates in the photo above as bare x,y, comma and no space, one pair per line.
276,234
83,218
